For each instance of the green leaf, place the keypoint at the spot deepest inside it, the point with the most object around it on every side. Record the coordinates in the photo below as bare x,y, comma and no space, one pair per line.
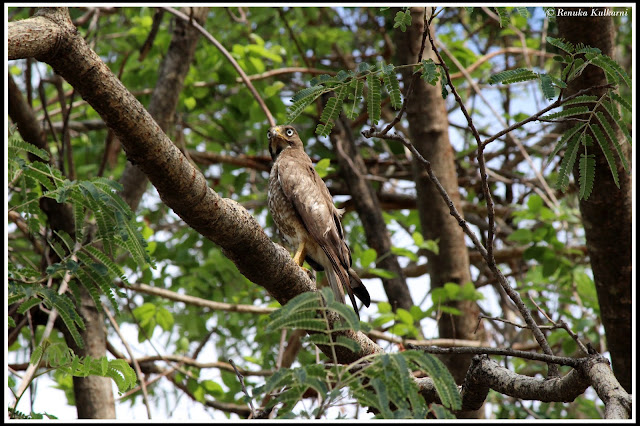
566,138
583,99
400,251
548,90
567,112
391,84
587,172
301,100
383,273
384,307
443,381
164,318
503,14
323,167
357,87
443,86
608,64
373,98
513,76
567,164
535,203
612,137
607,153
561,44
190,103
429,71
402,20
623,102
404,316
368,257
331,111
522,236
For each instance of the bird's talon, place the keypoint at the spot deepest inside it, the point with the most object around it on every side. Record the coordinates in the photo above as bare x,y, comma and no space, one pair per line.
310,273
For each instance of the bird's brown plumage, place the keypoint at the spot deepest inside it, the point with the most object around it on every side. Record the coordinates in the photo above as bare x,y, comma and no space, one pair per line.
303,210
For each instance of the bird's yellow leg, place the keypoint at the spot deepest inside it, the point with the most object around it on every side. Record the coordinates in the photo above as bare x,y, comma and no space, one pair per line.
300,254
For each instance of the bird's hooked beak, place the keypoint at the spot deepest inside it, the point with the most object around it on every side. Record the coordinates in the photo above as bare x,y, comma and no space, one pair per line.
275,141
275,131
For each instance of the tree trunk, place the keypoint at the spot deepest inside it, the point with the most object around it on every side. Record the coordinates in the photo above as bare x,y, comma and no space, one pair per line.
366,203
606,215
93,394
428,128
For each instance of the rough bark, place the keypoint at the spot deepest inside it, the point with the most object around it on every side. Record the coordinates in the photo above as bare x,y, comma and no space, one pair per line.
428,128
165,96
367,205
606,215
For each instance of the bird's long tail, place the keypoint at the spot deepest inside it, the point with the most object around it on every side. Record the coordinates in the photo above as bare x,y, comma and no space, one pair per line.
358,288
338,287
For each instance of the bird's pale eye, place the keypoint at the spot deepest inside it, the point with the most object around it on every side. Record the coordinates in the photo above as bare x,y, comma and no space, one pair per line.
289,132
268,135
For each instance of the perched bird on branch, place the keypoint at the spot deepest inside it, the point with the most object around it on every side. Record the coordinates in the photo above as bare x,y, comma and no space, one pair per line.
303,211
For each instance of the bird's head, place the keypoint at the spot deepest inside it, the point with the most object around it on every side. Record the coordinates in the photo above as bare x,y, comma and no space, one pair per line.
282,137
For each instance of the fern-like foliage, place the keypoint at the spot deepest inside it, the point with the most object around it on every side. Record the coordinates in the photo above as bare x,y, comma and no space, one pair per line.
373,98
15,414
331,111
381,383
513,76
81,263
303,99
595,117
402,19
430,71
32,295
61,357
392,385
356,87
587,174
348,86
392,85
309,311
504,14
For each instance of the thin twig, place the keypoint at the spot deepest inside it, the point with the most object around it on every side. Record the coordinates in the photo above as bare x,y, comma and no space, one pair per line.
230,58
136,365
506,321
283,337
196,301
244,389
563,325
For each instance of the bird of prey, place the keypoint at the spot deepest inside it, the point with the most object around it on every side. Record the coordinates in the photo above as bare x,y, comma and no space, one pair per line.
303,211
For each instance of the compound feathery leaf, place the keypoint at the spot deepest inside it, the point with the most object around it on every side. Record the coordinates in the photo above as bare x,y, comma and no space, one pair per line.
607,152
587,168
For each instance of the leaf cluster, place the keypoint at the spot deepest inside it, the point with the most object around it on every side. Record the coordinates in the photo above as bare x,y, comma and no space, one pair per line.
382,382
62,358
348,88
85,259
596,117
